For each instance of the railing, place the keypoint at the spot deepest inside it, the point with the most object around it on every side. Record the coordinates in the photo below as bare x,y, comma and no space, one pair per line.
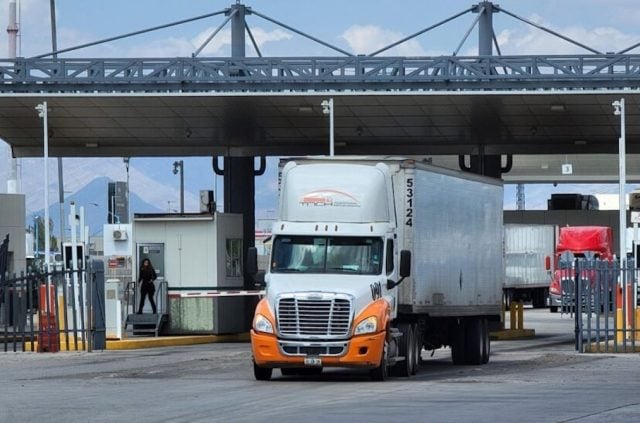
603,299
132,297
51,311
590,71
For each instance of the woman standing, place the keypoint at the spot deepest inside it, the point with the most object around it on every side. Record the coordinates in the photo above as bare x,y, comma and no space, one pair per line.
146,277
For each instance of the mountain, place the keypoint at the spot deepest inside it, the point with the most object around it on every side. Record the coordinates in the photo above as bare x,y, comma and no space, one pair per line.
93,197
152,182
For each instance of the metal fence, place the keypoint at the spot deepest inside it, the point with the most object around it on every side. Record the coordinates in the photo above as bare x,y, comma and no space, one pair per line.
49,312
602,297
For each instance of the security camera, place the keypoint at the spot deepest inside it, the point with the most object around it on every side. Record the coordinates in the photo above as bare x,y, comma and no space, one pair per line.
617,108
326,107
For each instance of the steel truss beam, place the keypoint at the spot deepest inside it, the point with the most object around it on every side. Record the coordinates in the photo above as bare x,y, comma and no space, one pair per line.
445,73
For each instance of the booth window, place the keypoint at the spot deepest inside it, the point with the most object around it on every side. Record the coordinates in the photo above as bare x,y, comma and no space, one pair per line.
234,257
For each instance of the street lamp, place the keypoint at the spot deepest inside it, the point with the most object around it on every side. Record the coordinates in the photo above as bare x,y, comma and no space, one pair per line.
327,109
618,110
43,114
126,164
179,166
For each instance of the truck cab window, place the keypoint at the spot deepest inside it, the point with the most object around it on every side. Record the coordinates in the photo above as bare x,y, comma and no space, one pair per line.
389,256
309,254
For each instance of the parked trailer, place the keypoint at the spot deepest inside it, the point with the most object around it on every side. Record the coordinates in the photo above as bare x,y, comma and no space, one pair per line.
374,260
526,248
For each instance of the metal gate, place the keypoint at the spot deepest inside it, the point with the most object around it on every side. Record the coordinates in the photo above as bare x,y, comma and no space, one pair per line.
603,298
49,312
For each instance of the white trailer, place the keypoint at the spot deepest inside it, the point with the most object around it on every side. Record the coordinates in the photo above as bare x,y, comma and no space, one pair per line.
374,260
527,249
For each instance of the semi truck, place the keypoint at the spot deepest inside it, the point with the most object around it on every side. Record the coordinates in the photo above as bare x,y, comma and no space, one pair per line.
375,259
526,248
593,242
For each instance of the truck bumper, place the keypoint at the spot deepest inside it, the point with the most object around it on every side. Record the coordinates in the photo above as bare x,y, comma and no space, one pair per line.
555,300
363,351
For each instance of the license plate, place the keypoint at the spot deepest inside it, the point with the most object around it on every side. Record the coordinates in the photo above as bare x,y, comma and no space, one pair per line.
313,361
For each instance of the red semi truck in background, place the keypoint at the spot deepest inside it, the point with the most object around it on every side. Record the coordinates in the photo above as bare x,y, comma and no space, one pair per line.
580,241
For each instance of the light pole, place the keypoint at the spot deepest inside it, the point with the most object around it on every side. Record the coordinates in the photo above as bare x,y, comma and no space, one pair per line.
36,218
327,109
618,110
43,113
179,164
126,164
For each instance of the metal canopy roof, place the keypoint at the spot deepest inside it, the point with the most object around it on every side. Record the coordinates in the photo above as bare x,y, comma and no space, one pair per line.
401,106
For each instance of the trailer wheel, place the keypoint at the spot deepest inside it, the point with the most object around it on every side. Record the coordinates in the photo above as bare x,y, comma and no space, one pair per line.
474,343
417,343
261,373
380,373
486,341
406,349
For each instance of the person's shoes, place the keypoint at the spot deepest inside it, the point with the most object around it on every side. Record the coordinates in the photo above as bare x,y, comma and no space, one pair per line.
139,312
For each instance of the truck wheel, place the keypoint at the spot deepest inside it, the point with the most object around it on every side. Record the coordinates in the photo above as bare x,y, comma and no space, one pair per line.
486,341
417,343
261,373
380,373
406,349
474,344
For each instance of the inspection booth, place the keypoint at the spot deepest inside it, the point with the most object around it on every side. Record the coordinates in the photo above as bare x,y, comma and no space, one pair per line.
199,256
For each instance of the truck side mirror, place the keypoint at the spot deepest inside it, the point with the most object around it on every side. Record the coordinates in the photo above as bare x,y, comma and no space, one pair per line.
547,263
252,261
405,263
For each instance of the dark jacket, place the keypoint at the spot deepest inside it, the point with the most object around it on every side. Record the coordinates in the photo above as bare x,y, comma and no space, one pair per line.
147,275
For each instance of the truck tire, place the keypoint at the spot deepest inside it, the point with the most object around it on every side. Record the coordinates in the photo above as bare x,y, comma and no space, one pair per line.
474,341
417,343
458,347
406,349
380,373
486,341
262,373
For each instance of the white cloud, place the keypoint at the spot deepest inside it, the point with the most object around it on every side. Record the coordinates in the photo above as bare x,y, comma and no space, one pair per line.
365,39
527,39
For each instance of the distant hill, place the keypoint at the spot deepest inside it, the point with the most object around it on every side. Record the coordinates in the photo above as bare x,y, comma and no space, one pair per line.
93,197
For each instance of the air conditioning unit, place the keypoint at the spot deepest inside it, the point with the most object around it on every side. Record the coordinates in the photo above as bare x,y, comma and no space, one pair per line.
120,235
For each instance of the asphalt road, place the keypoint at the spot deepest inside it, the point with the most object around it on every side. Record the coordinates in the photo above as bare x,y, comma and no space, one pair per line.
537,380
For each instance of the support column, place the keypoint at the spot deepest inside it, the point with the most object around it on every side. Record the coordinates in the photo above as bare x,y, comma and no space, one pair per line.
485,28
239,197
489,165
239,173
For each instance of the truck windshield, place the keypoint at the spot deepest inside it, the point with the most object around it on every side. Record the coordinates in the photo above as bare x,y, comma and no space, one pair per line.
311,254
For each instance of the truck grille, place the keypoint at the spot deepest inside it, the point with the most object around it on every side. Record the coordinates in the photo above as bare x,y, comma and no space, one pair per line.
315,318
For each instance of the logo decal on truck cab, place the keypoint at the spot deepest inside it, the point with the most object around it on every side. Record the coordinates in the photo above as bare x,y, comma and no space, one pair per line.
329,198
376,290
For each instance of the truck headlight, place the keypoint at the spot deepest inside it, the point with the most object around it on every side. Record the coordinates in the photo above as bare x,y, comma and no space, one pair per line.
368,325
262,324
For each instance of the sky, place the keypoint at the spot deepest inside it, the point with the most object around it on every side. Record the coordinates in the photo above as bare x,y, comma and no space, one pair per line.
357,26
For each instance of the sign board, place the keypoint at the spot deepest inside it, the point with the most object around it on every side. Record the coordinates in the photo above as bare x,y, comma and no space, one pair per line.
635,217
567,169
